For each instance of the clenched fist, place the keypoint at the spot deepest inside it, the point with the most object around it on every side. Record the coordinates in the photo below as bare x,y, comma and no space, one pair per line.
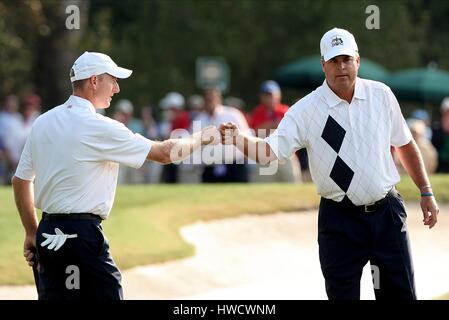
229,131
210,135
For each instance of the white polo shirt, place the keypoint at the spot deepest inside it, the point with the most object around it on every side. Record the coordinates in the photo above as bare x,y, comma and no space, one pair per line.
348,144
73,156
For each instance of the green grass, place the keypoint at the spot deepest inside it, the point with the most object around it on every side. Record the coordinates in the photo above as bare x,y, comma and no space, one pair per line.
143,227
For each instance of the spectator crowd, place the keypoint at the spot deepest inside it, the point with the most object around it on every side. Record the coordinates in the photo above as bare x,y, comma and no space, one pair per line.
176,115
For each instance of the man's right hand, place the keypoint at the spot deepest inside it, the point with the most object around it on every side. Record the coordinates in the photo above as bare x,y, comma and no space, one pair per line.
29,246
228,131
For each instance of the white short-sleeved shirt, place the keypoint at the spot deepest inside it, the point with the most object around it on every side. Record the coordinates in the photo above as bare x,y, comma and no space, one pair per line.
349,145
73,156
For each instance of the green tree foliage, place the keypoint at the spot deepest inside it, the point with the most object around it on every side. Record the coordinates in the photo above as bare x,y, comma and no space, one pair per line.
161,39
16,57
36,49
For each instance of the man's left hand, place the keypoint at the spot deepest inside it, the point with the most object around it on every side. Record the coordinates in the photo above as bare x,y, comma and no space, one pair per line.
430,211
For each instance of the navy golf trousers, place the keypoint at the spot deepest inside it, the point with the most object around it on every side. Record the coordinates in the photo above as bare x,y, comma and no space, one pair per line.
349,236
82,269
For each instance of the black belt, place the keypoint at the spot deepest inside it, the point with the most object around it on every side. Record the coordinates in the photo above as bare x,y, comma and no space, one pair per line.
346,203
70,216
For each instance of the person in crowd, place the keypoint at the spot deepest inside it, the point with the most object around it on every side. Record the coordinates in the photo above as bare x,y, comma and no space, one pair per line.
229,164
440,137
264,119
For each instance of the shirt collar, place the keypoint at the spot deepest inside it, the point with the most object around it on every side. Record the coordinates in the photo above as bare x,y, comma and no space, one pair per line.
360,91
76,101
333,100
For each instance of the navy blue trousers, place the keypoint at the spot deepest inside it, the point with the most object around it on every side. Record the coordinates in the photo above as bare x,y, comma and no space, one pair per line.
85,257
349,237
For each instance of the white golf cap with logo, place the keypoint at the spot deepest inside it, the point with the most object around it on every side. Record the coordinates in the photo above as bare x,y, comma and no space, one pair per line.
337,42
93,64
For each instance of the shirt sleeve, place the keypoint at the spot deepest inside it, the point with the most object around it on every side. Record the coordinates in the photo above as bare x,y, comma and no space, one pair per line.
400,133
118,144
25,169
287,138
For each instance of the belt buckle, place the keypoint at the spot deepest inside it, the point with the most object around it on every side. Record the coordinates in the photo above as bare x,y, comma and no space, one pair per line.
367,207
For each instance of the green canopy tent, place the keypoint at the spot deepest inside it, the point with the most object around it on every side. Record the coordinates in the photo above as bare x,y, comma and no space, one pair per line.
421,84
307,72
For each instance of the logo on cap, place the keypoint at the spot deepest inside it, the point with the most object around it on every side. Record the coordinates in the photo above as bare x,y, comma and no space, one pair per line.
72,73
336,42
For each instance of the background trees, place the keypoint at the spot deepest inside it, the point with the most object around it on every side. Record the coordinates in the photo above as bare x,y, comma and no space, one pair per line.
161,40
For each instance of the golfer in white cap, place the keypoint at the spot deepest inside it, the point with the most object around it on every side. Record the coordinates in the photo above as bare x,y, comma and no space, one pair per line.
348,126
68,169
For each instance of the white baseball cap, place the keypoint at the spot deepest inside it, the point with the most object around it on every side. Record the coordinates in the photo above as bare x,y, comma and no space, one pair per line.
444,105
125,106
172,100
338,42
93,64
